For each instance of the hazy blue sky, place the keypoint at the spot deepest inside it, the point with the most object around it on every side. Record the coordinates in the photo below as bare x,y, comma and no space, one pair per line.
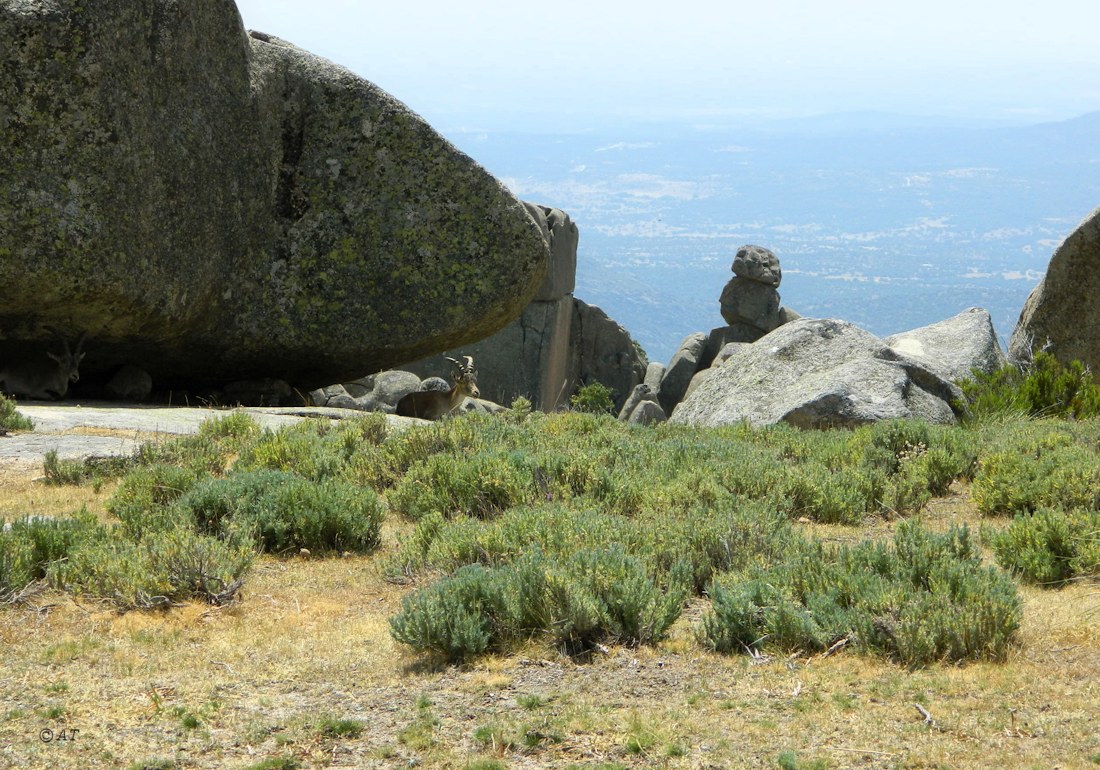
571,63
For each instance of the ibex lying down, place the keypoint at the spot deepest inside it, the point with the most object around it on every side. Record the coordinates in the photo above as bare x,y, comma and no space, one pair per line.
42,379
434,404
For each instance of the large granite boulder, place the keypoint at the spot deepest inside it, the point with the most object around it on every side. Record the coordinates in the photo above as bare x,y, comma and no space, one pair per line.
1062,314
955,347
818,373
745,301
213,206
603,351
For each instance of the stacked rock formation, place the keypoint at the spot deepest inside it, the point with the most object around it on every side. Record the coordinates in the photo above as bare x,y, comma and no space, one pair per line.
750,307
751,298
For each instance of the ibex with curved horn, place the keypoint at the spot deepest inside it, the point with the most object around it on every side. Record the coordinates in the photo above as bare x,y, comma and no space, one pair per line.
434,404
40,379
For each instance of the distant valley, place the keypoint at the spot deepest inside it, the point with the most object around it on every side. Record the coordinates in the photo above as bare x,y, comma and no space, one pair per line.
886,221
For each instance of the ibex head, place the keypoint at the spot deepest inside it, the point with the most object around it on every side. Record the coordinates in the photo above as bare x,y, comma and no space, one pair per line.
69,361
466,376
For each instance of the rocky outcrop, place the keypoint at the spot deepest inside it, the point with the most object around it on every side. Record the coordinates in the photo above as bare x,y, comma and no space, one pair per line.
217,206
374,393
750,307
558,342
818,373
642,407
750,298
1062,313
682,367
955,347
603,351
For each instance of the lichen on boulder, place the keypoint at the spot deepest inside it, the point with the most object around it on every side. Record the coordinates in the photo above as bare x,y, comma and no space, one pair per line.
214,205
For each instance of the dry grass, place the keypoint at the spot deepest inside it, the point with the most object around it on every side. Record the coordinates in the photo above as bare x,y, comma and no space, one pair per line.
200,687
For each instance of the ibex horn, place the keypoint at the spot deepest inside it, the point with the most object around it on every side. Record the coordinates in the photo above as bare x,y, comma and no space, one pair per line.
464,367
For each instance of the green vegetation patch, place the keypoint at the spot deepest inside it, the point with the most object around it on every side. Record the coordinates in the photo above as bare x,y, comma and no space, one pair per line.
10,419
286,512
30,545
1043,387
1050,546
927,598
576,601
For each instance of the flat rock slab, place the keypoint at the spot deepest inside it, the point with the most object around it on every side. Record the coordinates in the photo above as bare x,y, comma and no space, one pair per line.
78,431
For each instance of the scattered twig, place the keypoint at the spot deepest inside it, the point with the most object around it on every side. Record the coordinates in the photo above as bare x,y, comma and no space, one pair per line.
24,594
839,645
863,751
928,720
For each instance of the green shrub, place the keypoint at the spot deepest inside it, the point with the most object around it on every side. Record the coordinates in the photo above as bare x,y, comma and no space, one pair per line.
575,601
237,426
200,453
450,617
164,567
144,498
482,485
10,419
1034,474
450,437
61,472
310,449
331,727
209,451
594,398
706,538
1043,388
286,512
1050,546
926,599
29,545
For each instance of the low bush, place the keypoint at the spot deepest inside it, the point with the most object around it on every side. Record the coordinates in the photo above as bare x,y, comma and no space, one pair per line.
162,568
144,499
1043,388
1050,546
576,601
63,472
10,419
706,538
29,545
286,512
1028,472
314,450
595,398
481,485
926,599
210,451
